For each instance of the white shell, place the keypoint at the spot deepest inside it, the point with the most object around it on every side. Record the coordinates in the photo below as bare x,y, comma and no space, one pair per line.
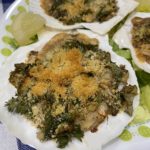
125,7
123,38
26,132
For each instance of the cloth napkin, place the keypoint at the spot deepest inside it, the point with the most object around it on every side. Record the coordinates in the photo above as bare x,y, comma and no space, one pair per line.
7,140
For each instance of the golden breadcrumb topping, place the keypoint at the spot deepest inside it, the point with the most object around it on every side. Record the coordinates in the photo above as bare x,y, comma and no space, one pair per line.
141,38
77,11
69,87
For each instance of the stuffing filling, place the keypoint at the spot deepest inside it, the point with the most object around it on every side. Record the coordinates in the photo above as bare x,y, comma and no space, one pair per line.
141,38
70,87
76,11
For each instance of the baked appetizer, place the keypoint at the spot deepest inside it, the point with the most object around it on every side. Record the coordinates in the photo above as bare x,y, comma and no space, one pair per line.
68,91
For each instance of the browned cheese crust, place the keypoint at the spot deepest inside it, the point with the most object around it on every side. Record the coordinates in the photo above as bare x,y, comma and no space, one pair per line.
70,87
76,11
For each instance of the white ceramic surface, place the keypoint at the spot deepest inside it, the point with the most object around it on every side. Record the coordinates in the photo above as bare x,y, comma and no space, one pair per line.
136,141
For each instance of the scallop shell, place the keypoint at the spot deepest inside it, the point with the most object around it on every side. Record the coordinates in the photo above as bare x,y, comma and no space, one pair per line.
125,7
26,132
123,39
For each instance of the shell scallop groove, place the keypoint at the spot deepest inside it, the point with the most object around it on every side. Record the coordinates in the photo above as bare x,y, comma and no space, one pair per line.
125,7
26,132
123,39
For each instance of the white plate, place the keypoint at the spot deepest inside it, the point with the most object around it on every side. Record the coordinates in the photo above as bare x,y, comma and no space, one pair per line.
132,139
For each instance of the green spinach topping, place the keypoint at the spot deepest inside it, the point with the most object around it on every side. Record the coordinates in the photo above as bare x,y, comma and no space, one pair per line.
70,87
77,11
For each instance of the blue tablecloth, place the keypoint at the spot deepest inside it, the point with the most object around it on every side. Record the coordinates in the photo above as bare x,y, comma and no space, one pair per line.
6,3
22,146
